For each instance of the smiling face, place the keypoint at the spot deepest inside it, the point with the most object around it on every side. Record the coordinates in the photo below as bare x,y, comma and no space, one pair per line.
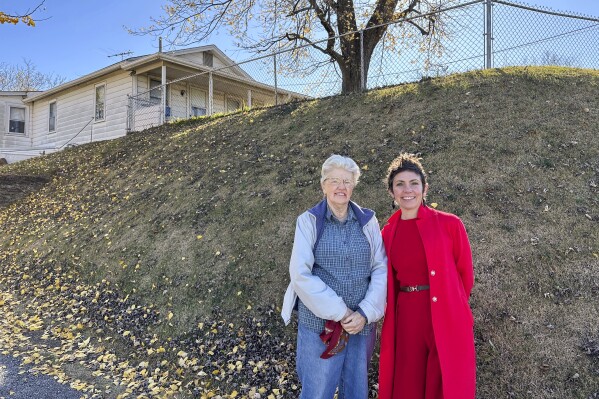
338,187
408,192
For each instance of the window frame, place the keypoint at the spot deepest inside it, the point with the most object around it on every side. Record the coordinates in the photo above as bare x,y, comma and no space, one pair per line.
55,103
152,89
96,87
8,120
158,100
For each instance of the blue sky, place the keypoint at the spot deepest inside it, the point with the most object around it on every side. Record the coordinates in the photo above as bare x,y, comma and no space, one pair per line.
78,35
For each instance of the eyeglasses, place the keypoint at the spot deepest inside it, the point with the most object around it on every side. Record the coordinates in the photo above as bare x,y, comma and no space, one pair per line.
334,181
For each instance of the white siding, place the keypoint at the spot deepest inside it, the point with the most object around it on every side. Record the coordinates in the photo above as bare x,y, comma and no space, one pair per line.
218,102
13,140
196,58
75,108
218,63
178,101
143,84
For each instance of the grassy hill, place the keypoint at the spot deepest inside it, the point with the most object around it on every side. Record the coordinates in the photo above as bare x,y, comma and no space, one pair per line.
156,264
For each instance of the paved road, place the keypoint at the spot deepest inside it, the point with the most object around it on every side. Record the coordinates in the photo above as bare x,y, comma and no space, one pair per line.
29,386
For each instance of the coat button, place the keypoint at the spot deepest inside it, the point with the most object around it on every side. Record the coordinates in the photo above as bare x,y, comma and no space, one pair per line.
433,273
434,299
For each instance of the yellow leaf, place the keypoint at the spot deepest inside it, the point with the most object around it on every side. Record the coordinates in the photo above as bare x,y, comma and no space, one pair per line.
170,315
434,205
233,394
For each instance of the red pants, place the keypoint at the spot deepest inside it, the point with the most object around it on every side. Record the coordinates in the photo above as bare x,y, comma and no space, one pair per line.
417,368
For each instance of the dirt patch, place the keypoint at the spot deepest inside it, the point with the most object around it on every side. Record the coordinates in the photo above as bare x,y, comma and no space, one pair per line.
13,187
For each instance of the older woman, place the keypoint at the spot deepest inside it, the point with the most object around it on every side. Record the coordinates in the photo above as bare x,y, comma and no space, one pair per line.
338,278
427,344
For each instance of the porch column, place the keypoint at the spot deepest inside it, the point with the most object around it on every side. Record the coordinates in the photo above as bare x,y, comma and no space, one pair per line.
210,93
249,98
163,94
188,99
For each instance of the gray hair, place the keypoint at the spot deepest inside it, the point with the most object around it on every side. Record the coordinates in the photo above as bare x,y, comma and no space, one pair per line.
341,162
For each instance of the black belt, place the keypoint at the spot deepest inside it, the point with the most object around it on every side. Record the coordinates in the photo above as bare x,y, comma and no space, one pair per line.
414,288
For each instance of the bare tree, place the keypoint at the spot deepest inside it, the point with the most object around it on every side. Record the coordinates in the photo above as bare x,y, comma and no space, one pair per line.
26,77
347,31
24,17
551,58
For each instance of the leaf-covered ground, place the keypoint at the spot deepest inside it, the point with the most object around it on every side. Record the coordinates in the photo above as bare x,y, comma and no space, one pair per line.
154,265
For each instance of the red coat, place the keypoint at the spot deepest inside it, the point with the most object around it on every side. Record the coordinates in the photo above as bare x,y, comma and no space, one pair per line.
451,278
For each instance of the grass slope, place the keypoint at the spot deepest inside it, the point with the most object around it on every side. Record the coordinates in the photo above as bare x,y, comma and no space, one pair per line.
169,247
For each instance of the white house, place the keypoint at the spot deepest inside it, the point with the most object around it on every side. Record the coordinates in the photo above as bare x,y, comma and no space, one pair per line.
130,95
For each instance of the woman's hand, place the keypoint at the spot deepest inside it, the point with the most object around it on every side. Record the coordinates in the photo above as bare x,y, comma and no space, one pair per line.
354,323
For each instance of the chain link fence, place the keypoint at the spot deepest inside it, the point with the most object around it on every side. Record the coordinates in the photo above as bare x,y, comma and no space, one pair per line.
473,35
526,36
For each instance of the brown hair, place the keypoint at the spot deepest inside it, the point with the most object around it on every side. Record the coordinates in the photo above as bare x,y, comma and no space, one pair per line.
405,161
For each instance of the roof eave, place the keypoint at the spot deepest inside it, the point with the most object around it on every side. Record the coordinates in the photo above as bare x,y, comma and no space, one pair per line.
75,82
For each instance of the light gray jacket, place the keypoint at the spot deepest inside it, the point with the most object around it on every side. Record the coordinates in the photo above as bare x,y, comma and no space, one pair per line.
314,293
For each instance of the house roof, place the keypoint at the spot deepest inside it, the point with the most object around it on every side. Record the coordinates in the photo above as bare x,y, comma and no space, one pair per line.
19,93
131,63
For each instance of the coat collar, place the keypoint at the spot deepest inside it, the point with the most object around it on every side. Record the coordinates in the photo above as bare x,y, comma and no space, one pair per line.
362,214
320,211
424,213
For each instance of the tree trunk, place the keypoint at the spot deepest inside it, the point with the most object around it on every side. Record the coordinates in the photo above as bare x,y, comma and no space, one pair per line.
351,65
352,78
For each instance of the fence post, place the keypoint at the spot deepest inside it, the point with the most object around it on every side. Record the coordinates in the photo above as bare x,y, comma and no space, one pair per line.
274,57
362,74
488,34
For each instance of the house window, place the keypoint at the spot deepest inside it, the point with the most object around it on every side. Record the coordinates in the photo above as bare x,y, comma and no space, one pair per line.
52,117
208,59
198,111
155,91
16,122
100,103
233,104
198,102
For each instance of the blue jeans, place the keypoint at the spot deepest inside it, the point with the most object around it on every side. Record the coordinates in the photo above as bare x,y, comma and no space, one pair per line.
347,370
